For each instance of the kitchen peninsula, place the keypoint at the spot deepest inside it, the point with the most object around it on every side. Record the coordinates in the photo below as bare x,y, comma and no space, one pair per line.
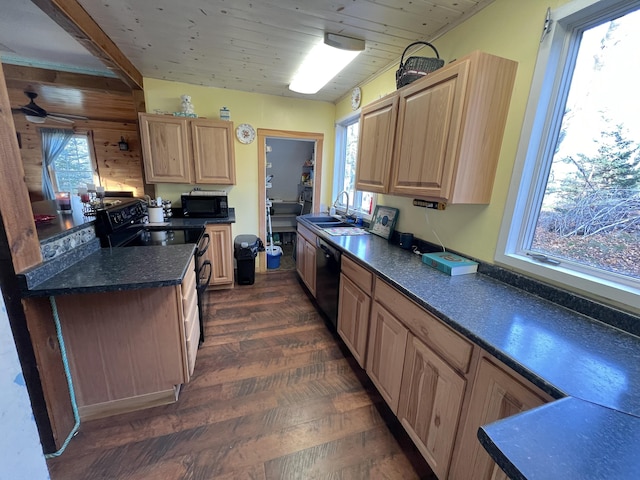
585,371
129,317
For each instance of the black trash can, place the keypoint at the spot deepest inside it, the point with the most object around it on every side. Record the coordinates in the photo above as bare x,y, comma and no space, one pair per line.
245,250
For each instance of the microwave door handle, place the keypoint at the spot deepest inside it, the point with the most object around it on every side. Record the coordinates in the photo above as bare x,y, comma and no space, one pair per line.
206,239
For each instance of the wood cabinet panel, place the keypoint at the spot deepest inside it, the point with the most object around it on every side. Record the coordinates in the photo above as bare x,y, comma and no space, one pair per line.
385,354
306,257
497,393
187,150
430,404
354,306
123,344
448,133
426,143
375,144
213,152
165,149
362,277
455,349
220,254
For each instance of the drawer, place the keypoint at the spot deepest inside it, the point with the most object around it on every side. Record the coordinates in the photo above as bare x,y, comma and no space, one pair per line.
189,280
193,338
190,313
452,347
362,277
306,233
189,298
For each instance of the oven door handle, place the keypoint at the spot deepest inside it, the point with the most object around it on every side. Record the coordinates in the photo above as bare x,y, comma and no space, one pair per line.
204,275
202,249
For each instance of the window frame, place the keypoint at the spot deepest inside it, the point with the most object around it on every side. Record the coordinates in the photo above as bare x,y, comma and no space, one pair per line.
542,121
339,168
87,135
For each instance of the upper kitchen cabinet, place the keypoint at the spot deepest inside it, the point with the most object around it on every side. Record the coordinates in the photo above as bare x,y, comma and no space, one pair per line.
187,150
449,130
438,138
377,132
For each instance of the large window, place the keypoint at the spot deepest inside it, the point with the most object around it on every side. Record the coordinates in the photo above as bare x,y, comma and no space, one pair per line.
74,166
574,217
360,203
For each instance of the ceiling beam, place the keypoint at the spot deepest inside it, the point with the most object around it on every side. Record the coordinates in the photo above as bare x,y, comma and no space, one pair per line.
82,81
75,20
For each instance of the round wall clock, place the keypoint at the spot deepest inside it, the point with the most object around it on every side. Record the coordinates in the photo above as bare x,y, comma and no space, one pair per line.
245,133
356,97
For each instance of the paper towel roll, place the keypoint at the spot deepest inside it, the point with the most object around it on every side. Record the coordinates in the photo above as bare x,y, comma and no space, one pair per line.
156,214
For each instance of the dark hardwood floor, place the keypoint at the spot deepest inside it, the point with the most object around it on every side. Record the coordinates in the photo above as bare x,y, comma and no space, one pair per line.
275,395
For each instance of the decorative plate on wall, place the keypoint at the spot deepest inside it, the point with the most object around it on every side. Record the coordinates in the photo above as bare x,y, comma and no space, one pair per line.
245,133
356,98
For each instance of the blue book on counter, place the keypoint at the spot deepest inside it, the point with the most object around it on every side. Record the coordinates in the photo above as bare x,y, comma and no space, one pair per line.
450,263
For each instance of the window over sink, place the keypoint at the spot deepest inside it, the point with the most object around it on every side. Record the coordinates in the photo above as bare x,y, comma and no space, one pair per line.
361,203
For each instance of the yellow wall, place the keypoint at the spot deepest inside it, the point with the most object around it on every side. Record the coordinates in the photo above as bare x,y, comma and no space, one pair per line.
260,111
507,28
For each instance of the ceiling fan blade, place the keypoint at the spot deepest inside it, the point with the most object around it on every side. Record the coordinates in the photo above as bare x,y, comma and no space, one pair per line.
55,118
69,115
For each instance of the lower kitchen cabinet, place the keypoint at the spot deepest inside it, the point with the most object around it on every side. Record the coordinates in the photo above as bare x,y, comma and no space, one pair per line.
354,307
353,318
385,354
306,257
220,254
497,393
431,398
130,349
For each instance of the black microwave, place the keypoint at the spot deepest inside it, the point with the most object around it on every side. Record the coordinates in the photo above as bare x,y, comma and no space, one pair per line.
205,204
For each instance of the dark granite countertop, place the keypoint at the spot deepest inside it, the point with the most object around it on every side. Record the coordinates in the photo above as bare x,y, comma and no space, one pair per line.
108,270
63,223
561,351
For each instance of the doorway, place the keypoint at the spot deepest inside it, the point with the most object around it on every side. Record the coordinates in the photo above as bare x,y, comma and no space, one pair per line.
307,177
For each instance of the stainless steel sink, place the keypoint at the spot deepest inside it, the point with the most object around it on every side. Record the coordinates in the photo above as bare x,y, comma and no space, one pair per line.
323,219
333,224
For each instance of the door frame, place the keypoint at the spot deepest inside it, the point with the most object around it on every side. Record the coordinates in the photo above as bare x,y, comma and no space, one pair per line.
263,134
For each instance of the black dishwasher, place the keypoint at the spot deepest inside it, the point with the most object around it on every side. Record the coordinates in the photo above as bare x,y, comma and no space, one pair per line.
327,280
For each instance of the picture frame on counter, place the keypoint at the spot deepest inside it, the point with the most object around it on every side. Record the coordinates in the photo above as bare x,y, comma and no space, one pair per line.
384,220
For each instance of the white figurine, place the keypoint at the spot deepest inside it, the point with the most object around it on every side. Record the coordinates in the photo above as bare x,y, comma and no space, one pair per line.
187,107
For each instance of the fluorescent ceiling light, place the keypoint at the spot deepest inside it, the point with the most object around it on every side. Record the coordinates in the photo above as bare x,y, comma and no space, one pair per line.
324,62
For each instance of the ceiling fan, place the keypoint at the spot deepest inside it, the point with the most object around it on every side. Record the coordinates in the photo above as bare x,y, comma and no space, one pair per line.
36,114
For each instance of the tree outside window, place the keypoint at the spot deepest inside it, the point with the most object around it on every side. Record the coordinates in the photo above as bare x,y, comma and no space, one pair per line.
74,166
590,213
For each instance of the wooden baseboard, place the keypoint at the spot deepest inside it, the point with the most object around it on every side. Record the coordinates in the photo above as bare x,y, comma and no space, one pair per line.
125,405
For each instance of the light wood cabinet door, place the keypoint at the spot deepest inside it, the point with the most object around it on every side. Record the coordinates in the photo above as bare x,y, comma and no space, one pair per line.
375,144
496,394
310,267
431,398
353,318
450,129
220,254
385,354
306,257
166,149
427,138
213,152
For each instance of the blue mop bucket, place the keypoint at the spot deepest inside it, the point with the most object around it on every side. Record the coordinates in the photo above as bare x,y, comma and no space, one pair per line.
273,257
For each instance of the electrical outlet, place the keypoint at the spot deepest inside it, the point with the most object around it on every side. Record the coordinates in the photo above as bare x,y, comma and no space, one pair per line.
429,204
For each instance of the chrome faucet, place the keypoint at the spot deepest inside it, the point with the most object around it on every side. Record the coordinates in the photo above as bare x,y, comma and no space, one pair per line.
346,212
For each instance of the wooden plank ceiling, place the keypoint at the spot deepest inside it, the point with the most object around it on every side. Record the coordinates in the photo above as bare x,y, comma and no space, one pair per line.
247,45
257,45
